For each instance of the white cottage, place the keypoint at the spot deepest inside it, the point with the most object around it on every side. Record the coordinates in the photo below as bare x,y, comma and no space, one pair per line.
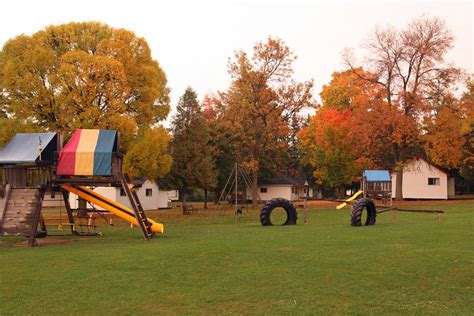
423,180
148,192
288,188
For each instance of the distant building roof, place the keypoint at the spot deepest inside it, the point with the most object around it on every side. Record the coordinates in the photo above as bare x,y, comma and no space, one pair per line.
138,182
283,181
24,148
377,175
449,173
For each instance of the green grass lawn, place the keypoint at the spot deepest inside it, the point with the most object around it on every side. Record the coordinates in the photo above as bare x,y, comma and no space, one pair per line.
418,265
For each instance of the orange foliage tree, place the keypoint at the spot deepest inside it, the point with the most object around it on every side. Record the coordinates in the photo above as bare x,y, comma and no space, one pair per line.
409,66
367,131
467,105
259,105
330,144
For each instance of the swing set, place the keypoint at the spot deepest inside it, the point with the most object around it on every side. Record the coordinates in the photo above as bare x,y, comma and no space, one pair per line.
234,194
85,223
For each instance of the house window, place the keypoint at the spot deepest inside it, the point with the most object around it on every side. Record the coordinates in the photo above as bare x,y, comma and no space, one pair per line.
263,190
122,192
293,190
149,192
433,181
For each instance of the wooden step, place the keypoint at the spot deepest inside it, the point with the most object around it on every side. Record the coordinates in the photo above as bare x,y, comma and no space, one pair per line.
20,212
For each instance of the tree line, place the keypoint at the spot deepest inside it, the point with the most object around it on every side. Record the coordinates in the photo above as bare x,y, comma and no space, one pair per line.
400,103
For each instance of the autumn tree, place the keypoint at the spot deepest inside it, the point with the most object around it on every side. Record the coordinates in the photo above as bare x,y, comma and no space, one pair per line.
365,129
148,155
409,65
443,138
219,135
258,106
9,127
193,163
333,140
329,144
467,128
83,75
294,167
347,90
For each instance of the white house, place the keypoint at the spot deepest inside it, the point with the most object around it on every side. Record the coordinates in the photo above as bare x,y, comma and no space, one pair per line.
288,188
423,180
151,197
173,195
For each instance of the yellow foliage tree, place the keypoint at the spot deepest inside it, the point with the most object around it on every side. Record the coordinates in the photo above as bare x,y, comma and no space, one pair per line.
89,75
83,75
149,155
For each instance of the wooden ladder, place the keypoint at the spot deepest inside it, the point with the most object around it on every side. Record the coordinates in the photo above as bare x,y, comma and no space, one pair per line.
137,207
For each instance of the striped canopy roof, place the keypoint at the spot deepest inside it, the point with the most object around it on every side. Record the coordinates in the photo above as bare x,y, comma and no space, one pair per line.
88,153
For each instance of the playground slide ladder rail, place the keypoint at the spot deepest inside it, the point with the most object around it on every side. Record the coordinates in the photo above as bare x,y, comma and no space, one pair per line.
137,207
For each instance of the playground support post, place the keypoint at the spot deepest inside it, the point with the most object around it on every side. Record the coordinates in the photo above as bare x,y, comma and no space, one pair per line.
70,217
34,229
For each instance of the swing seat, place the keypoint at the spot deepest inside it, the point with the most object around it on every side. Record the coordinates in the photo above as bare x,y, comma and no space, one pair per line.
41,234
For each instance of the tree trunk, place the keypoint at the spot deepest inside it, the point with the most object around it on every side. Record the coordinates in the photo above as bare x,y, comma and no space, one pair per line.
205,198
341,192
254,190
399,186
216,195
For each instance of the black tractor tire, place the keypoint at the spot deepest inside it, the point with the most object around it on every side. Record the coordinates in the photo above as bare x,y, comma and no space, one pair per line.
358,208
265,213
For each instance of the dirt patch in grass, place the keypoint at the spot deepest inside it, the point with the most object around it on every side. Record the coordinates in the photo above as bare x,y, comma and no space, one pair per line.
41,242
53,241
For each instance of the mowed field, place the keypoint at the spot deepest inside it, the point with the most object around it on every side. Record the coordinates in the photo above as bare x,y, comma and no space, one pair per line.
416,265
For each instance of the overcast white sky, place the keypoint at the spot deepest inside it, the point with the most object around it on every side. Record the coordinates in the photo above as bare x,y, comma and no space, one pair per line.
192,40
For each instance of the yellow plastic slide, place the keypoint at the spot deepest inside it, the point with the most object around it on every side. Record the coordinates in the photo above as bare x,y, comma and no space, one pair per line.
112,206
352,198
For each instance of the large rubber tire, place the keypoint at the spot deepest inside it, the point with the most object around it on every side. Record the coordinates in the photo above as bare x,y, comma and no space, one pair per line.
358,208
265,213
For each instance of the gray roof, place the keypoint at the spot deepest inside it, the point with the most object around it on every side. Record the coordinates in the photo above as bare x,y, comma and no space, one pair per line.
24,148
282,181
138,182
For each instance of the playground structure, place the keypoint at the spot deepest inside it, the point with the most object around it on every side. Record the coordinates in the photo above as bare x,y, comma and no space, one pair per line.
36,163
358,206
234,193
377,184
